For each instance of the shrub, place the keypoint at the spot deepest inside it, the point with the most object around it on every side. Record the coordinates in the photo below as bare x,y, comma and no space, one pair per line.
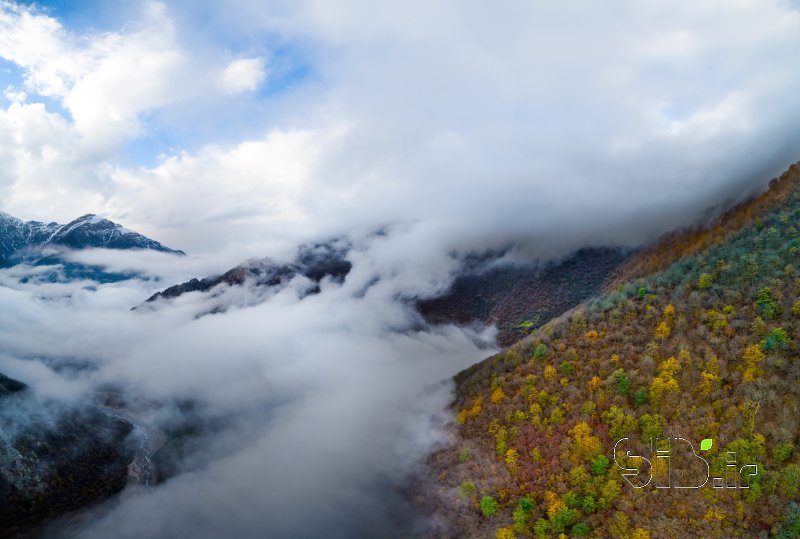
467,488
705,281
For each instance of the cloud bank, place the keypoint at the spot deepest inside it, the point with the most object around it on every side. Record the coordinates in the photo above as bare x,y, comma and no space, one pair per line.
608,124
312,412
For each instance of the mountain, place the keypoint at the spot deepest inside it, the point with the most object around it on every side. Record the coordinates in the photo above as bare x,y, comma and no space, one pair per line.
313,261
55,460
690,359
518,298
25,240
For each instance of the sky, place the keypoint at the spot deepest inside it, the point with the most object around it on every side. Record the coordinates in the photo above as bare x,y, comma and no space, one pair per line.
248,127
240,129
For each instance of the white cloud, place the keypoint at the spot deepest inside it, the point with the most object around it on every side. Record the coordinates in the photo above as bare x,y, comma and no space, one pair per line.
463,116
333,417
105,80
242,75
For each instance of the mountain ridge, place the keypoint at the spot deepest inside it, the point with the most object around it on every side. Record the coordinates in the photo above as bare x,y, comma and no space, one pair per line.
22,240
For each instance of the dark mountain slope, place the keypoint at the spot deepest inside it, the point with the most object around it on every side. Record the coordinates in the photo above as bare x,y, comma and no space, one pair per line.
55,460
520,298
706,348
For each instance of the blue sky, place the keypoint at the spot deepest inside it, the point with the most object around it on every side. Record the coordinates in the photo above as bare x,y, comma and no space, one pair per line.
187,126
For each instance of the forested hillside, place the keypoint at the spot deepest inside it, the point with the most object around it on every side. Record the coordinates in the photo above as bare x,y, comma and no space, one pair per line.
705,346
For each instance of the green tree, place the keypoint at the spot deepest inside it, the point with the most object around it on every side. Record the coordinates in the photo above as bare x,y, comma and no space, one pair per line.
623,383
563,519
790,480
783,451
488,506
541,528
652,426
619,423
581,529
766,304
599,465
776,338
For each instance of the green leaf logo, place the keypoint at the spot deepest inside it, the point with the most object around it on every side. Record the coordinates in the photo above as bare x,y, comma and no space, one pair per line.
706,444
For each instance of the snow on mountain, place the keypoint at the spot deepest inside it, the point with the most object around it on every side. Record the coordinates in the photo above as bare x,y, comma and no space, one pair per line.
88,231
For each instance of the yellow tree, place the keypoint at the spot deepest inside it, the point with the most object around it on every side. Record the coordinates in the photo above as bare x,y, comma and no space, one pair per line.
753,355
665,381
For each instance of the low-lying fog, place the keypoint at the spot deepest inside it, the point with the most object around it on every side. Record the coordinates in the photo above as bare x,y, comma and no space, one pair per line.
316,409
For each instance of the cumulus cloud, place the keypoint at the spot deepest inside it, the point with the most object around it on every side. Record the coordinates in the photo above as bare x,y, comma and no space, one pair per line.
242,75
106,80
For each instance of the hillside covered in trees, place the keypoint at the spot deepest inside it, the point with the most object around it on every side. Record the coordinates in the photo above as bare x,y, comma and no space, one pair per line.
699,339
